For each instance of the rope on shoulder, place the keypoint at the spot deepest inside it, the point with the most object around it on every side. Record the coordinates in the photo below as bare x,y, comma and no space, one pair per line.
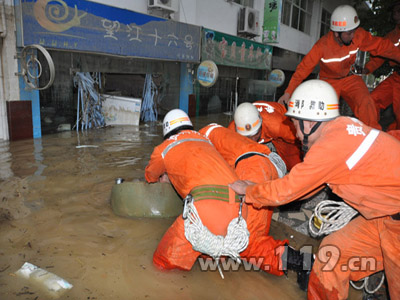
204,241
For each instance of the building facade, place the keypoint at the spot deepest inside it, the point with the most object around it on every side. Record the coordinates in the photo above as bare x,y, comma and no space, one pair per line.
125,40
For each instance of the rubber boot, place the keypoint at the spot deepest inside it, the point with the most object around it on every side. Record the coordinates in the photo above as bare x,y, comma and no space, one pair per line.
299,262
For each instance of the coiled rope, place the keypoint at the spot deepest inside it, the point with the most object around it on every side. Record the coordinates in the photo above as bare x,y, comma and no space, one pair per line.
334,215
279,164
204,241
365,284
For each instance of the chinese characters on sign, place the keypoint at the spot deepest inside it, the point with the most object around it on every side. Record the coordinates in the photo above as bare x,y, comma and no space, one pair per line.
272,20
88,26
230,50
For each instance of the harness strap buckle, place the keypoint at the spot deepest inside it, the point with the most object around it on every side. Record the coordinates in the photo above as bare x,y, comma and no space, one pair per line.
188,200
241,197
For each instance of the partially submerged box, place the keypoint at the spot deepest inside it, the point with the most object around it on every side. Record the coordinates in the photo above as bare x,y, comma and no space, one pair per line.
120,110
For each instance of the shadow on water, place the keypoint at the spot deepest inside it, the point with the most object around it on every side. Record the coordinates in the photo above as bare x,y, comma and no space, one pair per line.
55,213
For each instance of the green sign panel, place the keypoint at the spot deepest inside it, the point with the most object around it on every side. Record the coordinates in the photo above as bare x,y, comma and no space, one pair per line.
234,51
272,21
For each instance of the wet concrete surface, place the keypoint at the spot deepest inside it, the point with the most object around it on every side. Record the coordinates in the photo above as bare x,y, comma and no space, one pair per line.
55,213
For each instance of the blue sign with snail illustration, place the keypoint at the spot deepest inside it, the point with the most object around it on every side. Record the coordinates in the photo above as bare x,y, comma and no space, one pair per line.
87,26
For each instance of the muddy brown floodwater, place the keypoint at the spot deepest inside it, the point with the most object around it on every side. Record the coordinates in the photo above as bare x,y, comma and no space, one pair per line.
55,213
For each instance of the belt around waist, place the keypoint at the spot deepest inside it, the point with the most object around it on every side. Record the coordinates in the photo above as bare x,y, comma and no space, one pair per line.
212,192
396,217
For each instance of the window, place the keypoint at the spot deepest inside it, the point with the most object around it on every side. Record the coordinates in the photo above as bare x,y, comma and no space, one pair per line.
325,22
297,14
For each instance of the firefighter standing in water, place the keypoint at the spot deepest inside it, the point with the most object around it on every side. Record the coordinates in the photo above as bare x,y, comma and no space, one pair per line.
266,122
336,53
388,91
189,161
361,165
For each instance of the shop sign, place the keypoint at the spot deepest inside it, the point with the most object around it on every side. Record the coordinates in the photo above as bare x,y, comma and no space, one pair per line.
207,73
81,25
272,21
229,50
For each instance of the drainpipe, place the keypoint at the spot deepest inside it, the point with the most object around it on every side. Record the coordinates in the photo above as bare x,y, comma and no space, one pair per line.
3,20
3,109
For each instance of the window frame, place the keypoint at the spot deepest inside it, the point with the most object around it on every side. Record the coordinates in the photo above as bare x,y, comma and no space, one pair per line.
300,15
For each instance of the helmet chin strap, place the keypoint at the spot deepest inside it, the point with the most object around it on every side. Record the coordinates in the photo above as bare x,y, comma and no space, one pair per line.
306,135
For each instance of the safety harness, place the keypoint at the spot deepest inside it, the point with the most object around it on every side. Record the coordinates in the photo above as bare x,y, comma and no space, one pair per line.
202,239
274,158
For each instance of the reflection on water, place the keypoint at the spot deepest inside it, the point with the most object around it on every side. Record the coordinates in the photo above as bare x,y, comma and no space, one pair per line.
55,213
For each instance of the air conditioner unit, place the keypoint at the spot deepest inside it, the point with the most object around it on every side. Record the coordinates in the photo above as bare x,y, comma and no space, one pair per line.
166,5
248,21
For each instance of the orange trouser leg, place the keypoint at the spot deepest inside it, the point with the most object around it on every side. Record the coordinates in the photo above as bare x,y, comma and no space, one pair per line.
390,241
383,94
174,251
350,253
356,94
386,93
263,250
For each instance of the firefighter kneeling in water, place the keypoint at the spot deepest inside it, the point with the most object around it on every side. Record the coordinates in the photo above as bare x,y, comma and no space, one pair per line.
361,165
189,161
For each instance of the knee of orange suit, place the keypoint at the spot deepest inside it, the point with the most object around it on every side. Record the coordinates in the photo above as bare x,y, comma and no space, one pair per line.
174,251
317,291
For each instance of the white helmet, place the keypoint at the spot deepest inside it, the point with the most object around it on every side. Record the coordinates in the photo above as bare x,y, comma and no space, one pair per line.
174,119
344,18
314,100
247,119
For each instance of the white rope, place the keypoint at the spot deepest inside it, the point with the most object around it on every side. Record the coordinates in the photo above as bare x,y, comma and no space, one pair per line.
334,215
204,241
279,164
365,284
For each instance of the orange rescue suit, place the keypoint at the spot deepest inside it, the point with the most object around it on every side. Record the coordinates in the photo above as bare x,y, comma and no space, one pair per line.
388,91
278,129
335,62
256,168
190,160
362,166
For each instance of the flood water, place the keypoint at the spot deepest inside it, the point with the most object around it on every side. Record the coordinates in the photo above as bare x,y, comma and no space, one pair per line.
55,213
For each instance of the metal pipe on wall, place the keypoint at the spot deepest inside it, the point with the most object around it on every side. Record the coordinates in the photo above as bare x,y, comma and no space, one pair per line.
3,32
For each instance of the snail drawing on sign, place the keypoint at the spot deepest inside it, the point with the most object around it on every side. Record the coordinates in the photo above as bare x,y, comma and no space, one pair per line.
56,17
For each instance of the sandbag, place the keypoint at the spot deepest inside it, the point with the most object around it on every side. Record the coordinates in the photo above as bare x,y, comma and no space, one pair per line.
142,199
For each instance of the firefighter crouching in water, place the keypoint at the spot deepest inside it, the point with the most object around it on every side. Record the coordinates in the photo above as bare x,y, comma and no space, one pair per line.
190,162
268,123
388,91
361,165
255,162
336,53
